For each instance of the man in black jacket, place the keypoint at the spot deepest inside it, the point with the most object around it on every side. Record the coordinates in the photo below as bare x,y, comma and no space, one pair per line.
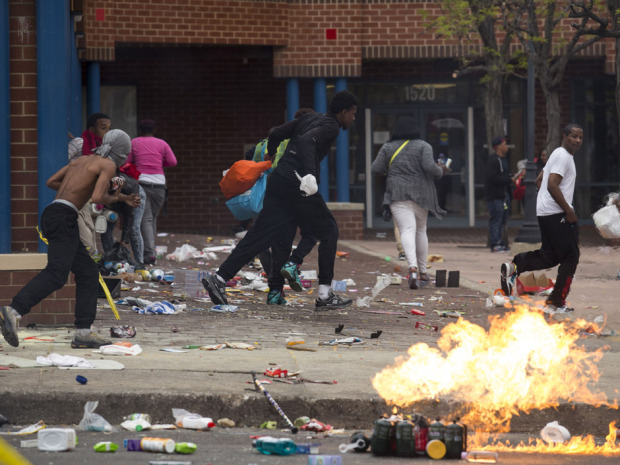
292,200
497,186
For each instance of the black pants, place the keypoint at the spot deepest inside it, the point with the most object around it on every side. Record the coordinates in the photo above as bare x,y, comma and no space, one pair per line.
560,245
284,209
65,253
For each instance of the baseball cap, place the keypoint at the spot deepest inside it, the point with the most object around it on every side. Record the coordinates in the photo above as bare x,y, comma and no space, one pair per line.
498,140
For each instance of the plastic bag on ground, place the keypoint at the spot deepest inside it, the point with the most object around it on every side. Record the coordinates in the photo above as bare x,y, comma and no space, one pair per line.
93,421
121,349
64,361
382,282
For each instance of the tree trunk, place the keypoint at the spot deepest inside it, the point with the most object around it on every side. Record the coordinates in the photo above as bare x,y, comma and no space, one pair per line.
554,132
493,107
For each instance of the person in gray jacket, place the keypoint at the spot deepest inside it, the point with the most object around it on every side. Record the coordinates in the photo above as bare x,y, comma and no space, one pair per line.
408,162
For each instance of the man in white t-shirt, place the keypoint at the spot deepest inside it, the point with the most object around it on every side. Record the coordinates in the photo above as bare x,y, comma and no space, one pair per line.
558,224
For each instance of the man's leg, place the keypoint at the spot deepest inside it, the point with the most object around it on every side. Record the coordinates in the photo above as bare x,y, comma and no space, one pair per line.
566,244
496,208
59,226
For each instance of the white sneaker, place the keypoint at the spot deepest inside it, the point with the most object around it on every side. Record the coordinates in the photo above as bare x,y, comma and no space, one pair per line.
508,279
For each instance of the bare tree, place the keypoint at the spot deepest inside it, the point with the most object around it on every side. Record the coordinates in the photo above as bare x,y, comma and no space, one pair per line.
536,23
462,19
601,27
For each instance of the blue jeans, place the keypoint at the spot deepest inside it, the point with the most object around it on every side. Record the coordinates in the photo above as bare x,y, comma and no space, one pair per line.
135,235
498,217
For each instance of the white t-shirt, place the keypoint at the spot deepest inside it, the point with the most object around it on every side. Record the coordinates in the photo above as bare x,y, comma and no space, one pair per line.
560,162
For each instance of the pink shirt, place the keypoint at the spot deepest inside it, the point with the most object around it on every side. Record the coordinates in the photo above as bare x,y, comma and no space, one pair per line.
151,155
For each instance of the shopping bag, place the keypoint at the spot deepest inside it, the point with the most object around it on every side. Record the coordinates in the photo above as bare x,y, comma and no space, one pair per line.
607,221
247,205
241,176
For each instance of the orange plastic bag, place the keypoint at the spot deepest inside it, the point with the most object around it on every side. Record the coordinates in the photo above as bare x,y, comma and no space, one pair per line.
241,176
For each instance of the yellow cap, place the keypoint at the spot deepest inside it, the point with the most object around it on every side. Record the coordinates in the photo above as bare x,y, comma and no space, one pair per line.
436,449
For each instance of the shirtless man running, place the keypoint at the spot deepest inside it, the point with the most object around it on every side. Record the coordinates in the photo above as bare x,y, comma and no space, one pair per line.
76,183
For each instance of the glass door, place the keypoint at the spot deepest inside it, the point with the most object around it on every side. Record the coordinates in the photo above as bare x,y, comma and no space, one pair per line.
446,131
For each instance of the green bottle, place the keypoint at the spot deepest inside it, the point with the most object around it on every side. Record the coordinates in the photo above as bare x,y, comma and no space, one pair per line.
185,447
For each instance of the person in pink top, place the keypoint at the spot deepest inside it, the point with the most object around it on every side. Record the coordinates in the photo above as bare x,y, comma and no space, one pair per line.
151,155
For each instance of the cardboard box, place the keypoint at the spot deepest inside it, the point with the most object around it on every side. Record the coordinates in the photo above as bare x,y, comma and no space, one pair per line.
531,284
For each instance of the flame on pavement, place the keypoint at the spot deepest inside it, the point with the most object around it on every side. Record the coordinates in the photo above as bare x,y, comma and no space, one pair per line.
521,363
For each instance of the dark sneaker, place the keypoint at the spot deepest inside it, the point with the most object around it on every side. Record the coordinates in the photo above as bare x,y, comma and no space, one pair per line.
333,301
216,287
8,322
276,297
508,278
402,256
290,272
413,279
91,341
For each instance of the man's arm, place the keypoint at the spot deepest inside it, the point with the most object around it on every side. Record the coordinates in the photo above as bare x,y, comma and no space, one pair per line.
55,179
100,192
553,186
278,134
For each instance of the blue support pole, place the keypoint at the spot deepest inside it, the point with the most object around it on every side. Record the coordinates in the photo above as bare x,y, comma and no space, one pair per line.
342,156
52,94
292,98
93,87
320,106
5,132
75,93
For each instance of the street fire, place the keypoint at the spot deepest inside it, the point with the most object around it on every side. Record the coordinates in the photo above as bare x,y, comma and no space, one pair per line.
520,364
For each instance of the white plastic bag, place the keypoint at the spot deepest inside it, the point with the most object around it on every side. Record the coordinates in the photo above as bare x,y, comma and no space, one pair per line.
93,421
607,219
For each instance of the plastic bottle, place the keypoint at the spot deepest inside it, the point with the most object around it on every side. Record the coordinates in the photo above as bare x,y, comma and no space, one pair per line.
405,439
480,456
136,425
277,446
101,224
111,216
157,445
421,435
436,449
192,422
56,439
454,440
382,431
185,447
106,446
436,430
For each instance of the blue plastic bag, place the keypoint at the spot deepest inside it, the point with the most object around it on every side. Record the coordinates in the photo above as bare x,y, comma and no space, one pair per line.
250,203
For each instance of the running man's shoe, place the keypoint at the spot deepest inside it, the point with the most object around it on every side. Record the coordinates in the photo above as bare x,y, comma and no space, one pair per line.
290,272
552,309
332,301
276,297
402,256
91,341
8,323
216,287
508,279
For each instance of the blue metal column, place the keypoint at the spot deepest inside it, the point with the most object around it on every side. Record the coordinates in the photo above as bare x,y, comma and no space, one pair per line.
75,93
93,87
5,132
342,156
52,93
320,106
292,98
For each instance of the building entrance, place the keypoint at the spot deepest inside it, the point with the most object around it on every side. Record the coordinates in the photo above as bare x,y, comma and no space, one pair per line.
446,129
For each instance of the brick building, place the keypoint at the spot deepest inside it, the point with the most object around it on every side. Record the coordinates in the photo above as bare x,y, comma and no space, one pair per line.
216,75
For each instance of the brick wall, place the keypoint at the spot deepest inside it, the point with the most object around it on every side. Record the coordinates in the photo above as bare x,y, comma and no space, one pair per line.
23,121
350,219
56,309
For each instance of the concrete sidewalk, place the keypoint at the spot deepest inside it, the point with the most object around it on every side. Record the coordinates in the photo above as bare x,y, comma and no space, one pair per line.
216,383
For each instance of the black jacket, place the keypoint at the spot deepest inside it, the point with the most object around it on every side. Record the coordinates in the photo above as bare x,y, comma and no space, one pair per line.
497,180
311,136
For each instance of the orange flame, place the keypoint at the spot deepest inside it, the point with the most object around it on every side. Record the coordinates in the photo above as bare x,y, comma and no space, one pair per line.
521,363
